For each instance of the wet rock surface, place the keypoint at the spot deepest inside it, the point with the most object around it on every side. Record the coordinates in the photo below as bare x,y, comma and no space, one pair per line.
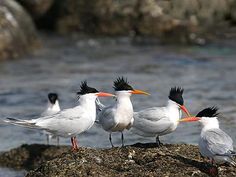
135,160
17,32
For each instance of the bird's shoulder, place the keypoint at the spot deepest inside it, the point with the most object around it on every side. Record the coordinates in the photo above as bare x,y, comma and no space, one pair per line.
216,135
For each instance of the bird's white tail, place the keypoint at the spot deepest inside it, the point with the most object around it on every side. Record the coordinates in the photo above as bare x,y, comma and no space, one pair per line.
24,123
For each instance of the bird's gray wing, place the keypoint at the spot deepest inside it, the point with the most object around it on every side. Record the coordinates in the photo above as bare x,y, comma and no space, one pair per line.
57,120
152,114
217,142
106,118
151,122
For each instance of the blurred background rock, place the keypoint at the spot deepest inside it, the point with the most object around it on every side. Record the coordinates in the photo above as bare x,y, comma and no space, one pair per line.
170,21
17,32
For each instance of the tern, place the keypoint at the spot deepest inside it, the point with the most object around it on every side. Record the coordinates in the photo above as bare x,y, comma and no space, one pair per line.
158,121
68,122
214,143
119,116
53,107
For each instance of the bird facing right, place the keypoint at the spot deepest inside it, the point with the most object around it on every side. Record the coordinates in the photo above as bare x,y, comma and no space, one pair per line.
119,116
68,122
214,143
158,121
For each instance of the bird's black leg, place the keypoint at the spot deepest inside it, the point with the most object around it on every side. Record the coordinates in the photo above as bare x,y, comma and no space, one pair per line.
72,143
158,141
57,140
111,140
122,139
47,139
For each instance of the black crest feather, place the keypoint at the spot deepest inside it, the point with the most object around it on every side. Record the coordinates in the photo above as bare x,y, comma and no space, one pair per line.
121,83
53,97
208,112
176,95
84,89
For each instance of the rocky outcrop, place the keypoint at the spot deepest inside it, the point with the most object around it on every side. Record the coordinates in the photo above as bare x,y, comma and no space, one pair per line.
37,8
17,31
30,156
180,20
135,160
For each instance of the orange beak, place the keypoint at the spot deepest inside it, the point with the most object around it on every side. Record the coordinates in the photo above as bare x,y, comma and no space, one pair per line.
104,94
185,110
139,92
189,119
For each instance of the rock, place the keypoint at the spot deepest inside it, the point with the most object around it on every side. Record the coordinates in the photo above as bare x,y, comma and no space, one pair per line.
30,156
17,32
232,14
37,8
115,18
171,21
139,159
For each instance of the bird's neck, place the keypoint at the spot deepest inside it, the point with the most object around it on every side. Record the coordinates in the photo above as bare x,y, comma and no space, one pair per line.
124,102
173,111
88,102
54,107
211,123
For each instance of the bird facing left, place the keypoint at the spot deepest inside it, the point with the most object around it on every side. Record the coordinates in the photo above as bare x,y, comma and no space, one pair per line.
214,143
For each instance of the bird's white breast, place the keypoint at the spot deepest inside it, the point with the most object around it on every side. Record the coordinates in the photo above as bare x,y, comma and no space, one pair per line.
123,114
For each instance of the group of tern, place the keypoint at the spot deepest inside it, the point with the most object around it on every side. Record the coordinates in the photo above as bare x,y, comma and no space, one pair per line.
214,143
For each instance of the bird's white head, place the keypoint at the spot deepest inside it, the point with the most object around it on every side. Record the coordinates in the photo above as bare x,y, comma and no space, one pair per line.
124,89
207,117
175,96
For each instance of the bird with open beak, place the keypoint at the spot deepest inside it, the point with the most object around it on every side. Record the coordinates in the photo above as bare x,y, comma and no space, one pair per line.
119,116
214,143
158,121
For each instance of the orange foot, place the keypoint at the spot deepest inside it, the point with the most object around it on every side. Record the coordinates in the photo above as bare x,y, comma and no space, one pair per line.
213,171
